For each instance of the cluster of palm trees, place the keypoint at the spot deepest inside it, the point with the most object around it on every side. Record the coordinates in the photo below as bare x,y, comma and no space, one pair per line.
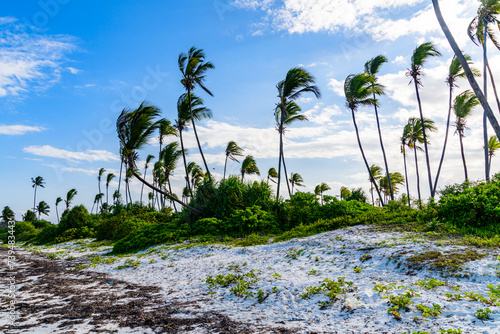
42,208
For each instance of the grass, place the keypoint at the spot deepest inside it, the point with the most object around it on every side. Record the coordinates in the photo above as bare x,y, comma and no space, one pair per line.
452,262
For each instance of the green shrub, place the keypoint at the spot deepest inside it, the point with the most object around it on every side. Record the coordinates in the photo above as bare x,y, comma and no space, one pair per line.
41,224
128,226
207,226
250,220
47,235
77,217
75,233
23,231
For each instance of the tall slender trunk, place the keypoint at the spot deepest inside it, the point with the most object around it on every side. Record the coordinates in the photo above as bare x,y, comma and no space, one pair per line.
383,151
164,193
445,138
196,134
225,163
286,173
120,177
416,169
468,72
463,156
364,158
170,189
142,188
107,188
406,176
57,214
99,186
371,192
485,88
492,80
280,155
185,163
92,210
34,204
425,138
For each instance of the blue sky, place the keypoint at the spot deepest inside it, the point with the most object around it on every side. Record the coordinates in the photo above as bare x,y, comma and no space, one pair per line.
67,68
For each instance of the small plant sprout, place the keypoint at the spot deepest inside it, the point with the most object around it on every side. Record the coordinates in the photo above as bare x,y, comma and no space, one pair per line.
365,257
433,311
313,272
275,290
429,283
483,314
276,276
450,331
357,270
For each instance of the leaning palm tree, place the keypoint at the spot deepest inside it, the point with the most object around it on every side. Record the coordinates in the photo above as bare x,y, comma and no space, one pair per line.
455,72
170,156
371,68
37,182
493,146
193,67
320,189
344,193
232,151
470,76
69,197
358,91
397,179
249,166
189,107
272,174
134,129
100,174
165,129
418,59
149,158
109,178
197,174
463,105
97,199
376,172
297,82
296,180
58,200
42,208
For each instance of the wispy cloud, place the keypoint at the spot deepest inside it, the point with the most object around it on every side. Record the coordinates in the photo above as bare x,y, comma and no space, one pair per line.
14,130
88,155
30,60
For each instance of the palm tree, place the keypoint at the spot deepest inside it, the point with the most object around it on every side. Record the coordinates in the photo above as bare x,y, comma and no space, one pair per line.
404,143
7,216
376,172
196,174
344,193
297,82
493,146
109,178
149,158
116,196
358,91
371,68
272,174
187,109
101,172
193,67
42,208
463,105
69,197
470,76
478,32
170,156
249,166
37,182
232,151
320,189
296,180
165,129
396,178
58,200
420,55
455,72
134,129
97,199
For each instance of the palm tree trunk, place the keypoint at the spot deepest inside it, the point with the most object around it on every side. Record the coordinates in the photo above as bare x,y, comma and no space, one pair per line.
445,138
425,138
164,193
463,156
142,188
470,76
280,155
91,210
286,173
185,163
129,195
242,175
416,169
34,203
485,87
364,158
406,176
225,163
493,86
57,214
196,134
170,189
383,151
371,192
120,177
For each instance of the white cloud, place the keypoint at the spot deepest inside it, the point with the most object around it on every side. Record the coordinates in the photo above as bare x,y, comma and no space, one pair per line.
73,70
336,86
399,60
88,155
7,20
13,130
30,60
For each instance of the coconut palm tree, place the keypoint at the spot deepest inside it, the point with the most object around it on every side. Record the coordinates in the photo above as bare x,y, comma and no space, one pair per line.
371,68
100,174
187,109
297,82
193,67
296,180
418,59
272,174
376,172
249,166
149,158
397,179
232,151
358,91
170,156
455,72
345,193
116,196
463,105
196,173
109,178
404,143
7,216
37,182
69,197
58,200
493,146
134,129
42,208
320,189
165,129
97,199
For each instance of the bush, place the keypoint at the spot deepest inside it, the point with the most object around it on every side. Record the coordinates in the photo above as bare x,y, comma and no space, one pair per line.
77,217
47,235
128,226
41,224
23,231
75,233
250,220
207,226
